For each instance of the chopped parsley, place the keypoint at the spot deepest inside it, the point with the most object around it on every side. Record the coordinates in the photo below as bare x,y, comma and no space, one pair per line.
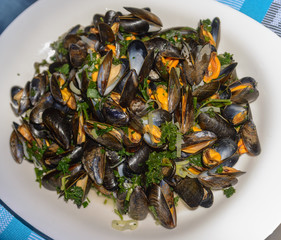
83,107
225,58
143,89
64,69
155,162
74,193
207,24
169,133
63,165
228,192
196,159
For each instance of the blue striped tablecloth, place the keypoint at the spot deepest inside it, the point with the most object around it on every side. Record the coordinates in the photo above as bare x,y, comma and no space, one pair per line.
267,12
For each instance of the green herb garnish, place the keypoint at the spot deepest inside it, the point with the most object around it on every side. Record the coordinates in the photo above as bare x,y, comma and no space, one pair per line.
228,192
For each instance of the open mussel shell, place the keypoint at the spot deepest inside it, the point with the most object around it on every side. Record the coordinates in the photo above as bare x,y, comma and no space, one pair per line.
236,114
140,22
216,30
174,91
197,141
137,53
185,112
216,182
250,138
94,162
244,90
161,198
217,125
51,157
208,198
22,97
152,123
190,191
45,102
38,87
15,94
111,139
138,204
104,72
205,91
59,126
79,179
221,150
145,15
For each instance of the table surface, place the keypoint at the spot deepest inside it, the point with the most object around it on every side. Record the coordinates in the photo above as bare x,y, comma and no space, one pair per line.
267,12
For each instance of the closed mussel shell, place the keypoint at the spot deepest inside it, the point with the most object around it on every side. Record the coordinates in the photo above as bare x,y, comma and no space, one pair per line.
110,182
138,204
137,162
236,114
216,124
161,199
59,126
190,191
94,163
114,114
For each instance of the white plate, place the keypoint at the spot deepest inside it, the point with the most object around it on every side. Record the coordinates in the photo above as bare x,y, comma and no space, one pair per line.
253,212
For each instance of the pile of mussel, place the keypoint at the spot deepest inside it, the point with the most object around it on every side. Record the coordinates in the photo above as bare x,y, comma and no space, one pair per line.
93,117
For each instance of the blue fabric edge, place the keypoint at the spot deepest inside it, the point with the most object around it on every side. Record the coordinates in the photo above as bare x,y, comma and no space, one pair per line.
25,222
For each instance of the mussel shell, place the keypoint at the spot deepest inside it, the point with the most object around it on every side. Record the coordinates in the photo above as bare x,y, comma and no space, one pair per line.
114,114
250,138
37,88
217,125
161,45
134,25
110,182
58,125
236,114
112,139
113,158
105,32
45,102
216,30
145,15
208,198
190,191
216,182
52,180
138,204
104,72
161,197
137,162
14,91
174,91
137,53
24,103
77,54
94,162
248,94
130,88
205,91
16,147
196,141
